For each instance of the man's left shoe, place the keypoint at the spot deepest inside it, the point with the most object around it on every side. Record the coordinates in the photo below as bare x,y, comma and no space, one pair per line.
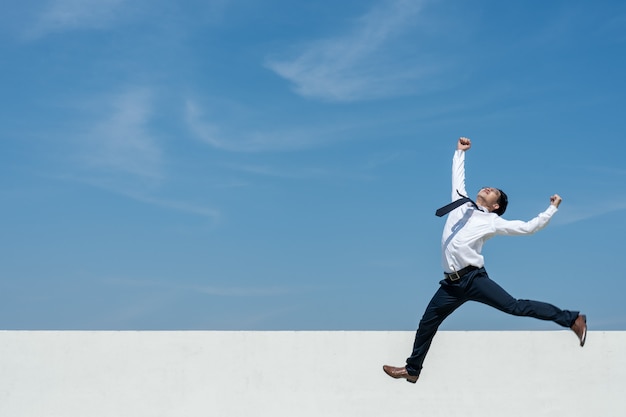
397,373
580,328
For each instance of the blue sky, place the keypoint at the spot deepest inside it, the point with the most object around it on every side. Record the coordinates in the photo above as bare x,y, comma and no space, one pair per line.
276,165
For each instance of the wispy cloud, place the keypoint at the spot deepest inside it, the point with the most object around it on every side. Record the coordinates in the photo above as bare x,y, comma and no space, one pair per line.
610,178
580,213
119,153
239,140
121,142
356,65
610,171
64,15
300,172
157,297
293,173
226,291
383,159
130,191
182,206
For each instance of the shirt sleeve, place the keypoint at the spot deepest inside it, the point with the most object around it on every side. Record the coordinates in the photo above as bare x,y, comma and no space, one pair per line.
458,174
519,227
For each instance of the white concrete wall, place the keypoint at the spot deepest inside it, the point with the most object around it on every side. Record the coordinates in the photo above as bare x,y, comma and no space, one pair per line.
223,374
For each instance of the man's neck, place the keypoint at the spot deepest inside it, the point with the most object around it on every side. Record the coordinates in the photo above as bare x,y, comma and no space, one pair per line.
481,202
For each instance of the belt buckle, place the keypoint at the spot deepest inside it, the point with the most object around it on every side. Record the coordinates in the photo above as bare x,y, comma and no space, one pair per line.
454,276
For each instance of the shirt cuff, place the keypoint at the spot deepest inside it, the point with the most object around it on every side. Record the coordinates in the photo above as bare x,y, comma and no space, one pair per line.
551,209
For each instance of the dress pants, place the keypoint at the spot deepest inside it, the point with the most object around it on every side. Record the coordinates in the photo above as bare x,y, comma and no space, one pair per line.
475,286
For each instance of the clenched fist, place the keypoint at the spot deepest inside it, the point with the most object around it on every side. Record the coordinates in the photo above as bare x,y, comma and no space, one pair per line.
463,144
555,200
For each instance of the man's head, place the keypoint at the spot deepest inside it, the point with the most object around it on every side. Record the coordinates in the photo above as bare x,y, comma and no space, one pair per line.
494,199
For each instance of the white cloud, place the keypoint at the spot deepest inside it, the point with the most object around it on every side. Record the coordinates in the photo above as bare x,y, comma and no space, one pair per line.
129,190
357,65
602,181
579,213
181,206
121,142
256,140
64,15
292,172
223,291
119,153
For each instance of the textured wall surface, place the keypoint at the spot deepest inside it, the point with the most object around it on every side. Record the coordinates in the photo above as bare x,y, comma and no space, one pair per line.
223,374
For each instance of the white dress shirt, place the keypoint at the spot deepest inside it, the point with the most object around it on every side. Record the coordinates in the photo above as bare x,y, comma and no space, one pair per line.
467,229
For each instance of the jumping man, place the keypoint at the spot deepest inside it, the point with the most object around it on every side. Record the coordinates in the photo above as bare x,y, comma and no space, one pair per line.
468,226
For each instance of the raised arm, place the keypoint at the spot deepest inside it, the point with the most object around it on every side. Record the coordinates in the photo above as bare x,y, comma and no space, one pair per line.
518,227
458,167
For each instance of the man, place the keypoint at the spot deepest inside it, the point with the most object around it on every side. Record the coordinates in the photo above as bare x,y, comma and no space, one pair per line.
467,228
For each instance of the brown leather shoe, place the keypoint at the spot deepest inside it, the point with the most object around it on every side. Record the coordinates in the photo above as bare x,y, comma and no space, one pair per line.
397,373
580,328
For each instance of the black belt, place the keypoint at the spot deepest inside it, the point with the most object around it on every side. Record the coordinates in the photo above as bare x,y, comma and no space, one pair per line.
456,275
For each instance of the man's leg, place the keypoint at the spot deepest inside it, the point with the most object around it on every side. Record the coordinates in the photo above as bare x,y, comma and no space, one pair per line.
444,302
484,290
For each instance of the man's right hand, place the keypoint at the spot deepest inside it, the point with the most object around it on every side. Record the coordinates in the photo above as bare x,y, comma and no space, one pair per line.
463,144
555,200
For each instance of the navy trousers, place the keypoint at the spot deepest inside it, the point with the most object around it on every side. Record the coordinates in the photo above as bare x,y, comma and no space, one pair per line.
475,286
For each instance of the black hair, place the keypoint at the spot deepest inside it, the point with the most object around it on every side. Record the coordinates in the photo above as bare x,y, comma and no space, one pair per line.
503,201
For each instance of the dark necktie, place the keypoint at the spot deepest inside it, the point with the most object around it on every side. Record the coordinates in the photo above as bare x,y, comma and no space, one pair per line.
456,203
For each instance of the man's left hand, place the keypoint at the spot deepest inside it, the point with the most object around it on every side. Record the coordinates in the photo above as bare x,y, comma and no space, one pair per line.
555,200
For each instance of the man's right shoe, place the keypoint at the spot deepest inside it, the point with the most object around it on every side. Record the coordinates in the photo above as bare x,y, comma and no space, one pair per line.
580,328
397,373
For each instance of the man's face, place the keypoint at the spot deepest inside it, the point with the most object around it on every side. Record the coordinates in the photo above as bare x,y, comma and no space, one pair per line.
488,197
